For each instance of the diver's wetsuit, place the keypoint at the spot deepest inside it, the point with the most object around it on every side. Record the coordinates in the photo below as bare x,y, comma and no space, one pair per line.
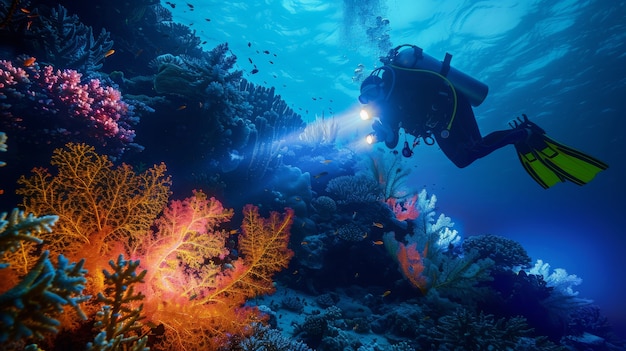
422,103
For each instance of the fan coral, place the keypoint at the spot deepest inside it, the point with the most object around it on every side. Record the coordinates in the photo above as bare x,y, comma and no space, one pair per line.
320,133
189,289
99,207
404,210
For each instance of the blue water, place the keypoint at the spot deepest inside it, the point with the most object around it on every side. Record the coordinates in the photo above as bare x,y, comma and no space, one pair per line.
561,62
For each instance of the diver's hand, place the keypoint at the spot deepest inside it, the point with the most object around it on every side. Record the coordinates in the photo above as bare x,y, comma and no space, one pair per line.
385,133
524,123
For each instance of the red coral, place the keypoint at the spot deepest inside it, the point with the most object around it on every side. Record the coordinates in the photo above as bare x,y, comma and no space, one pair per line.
412,265
404,210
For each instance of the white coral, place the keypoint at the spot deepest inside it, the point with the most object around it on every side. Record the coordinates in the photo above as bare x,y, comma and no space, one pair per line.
558,279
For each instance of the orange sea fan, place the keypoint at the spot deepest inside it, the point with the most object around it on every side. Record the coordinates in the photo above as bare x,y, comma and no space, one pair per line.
190,290
101,208
412,265
91,197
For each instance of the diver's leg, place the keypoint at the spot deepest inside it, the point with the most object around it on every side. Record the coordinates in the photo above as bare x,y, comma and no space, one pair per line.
465,144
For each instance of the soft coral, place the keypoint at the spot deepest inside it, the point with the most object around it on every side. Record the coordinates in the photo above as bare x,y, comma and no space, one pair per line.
198,298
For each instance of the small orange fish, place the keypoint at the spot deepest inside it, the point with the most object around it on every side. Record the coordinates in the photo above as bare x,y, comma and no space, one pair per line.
377,225
29,61
325,162
28,24
109,53
377,242
25,10
234,231
181,107
386,293
304,243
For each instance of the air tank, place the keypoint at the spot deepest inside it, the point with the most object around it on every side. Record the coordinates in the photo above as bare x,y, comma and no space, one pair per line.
414,57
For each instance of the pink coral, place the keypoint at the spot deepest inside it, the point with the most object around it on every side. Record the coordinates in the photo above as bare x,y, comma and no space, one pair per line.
58,105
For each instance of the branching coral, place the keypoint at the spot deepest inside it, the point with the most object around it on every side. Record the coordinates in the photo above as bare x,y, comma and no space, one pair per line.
3,146
276,126
100,207
354,189
390,170
190,290
466,331
119,318
437,267
44,103
29,309
64,41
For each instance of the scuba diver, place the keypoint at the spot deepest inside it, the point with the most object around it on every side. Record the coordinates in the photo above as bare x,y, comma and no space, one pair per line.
433,101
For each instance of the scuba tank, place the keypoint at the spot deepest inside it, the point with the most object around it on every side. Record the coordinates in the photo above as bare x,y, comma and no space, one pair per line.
413,57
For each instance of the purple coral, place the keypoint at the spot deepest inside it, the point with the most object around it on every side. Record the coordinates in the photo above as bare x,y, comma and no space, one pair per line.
55,106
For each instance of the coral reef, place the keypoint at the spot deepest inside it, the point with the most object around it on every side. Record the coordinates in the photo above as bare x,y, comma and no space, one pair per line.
100,206
266,339
321,133
389,170
119,317
58,106
191,287
60,39
464,330
276,127
30,308
354,189
506,253
3,146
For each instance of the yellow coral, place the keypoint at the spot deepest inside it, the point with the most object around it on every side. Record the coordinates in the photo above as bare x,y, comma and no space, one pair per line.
97,204
101,208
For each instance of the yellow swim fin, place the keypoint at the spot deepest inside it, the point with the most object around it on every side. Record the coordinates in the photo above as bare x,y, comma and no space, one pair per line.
549,162
569,163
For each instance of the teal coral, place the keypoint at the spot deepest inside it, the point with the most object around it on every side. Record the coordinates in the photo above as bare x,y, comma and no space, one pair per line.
18,227
119,319
3,146
28,309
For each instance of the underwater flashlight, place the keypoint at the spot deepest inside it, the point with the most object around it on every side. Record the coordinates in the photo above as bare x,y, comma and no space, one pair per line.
365,114
370,138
